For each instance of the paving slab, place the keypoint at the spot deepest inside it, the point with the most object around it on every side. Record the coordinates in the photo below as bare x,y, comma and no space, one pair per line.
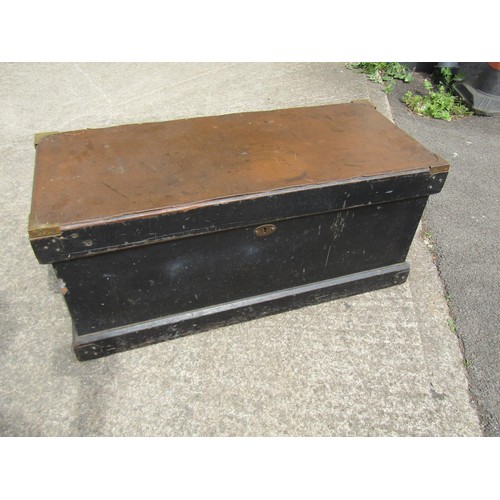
380,364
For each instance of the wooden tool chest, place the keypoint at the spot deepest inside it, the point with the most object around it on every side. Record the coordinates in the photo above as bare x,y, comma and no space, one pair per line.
158,230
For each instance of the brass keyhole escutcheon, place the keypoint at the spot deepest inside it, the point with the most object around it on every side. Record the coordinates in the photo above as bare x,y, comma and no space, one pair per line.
265,230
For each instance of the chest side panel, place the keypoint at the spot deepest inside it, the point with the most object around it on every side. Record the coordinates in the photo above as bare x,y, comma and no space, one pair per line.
137,284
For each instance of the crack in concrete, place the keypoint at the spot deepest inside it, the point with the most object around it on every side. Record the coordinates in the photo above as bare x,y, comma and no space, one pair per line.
182,82
93,84
99,90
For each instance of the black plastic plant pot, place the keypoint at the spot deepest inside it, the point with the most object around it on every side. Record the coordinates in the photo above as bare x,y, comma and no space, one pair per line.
483,97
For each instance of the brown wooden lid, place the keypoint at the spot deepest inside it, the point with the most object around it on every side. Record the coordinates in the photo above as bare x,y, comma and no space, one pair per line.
96,175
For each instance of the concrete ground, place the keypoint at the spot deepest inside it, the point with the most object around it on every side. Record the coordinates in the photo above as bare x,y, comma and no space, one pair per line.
464,228
380,364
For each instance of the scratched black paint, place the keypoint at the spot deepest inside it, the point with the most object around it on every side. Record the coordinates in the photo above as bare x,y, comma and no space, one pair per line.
134,285
110,235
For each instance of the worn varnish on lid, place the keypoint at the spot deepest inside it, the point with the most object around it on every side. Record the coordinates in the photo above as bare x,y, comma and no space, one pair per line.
107,176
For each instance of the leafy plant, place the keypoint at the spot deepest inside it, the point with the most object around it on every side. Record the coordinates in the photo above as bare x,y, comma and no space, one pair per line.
447,78
452,325
438,103
383,72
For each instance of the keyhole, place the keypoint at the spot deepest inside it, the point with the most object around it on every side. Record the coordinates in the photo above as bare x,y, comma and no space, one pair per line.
265,230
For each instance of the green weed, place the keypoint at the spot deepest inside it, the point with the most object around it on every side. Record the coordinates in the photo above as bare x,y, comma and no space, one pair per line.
383,72
452,325
438,103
